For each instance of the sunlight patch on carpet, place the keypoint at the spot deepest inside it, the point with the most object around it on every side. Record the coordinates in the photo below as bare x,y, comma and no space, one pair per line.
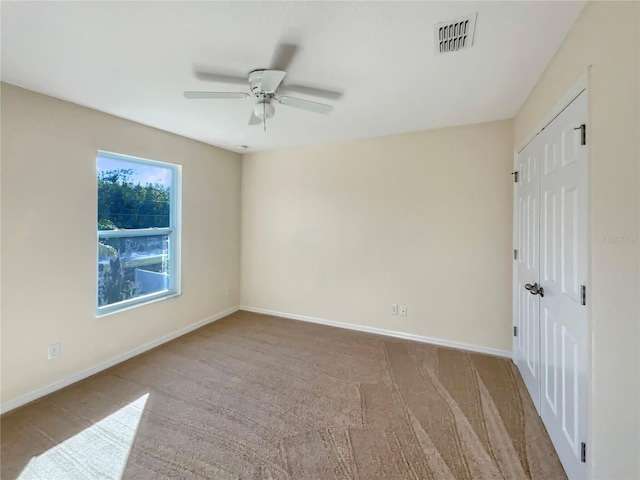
99,451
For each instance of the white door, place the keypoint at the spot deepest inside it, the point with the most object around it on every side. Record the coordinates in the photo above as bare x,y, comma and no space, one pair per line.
551,279
527,306
563,264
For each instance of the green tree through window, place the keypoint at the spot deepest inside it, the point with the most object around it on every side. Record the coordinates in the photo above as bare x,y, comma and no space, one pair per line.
125,204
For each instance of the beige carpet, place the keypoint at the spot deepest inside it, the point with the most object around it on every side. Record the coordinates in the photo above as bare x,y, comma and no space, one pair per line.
260,397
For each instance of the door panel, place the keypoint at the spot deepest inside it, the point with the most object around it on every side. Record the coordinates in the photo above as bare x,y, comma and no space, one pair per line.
550,244
563,188
527,352
550,360
570,405
550,232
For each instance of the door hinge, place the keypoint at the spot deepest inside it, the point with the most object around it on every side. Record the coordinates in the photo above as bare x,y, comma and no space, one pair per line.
515,331
583,134
583,452
583,295
515,176
515,254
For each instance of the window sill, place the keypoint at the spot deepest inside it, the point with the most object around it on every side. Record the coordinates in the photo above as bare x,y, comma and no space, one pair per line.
134,303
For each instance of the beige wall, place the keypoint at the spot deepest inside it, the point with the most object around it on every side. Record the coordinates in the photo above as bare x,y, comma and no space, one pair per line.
49,238
606,38
342,231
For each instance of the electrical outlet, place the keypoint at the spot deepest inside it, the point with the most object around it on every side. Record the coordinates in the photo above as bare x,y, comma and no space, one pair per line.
394,309
403,310
228,292
54,351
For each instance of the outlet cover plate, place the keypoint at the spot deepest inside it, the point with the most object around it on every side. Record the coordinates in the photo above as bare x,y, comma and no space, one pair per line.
54,351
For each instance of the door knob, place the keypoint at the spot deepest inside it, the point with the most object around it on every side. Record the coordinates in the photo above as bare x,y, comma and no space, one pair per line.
535,289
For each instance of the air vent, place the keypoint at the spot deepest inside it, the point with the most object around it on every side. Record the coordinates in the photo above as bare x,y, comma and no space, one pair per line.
455,34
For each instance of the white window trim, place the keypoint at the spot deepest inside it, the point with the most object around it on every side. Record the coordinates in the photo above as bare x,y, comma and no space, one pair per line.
174,231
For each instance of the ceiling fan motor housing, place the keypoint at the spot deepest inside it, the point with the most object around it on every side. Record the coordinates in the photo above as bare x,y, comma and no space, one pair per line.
255,82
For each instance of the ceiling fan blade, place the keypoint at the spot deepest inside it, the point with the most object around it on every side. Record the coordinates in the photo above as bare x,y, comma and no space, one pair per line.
254,119
306,105
215,95
271,80
284,54
314,92
220,78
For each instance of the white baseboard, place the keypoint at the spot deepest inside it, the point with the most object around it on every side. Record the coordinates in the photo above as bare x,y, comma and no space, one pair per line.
41,392
381,331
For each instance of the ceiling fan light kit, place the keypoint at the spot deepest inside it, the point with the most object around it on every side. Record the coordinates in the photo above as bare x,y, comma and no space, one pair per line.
264,110
264,85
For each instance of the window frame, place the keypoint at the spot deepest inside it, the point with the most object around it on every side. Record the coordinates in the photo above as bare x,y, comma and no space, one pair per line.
174,231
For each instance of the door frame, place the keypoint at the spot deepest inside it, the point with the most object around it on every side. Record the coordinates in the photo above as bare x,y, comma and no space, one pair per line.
581,85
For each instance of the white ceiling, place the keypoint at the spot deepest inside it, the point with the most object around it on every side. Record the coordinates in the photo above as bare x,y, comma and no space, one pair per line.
134,60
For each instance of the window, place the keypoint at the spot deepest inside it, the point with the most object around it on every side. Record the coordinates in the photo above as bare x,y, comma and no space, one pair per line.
138,231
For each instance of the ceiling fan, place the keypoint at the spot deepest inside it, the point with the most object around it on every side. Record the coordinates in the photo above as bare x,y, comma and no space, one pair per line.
265,85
